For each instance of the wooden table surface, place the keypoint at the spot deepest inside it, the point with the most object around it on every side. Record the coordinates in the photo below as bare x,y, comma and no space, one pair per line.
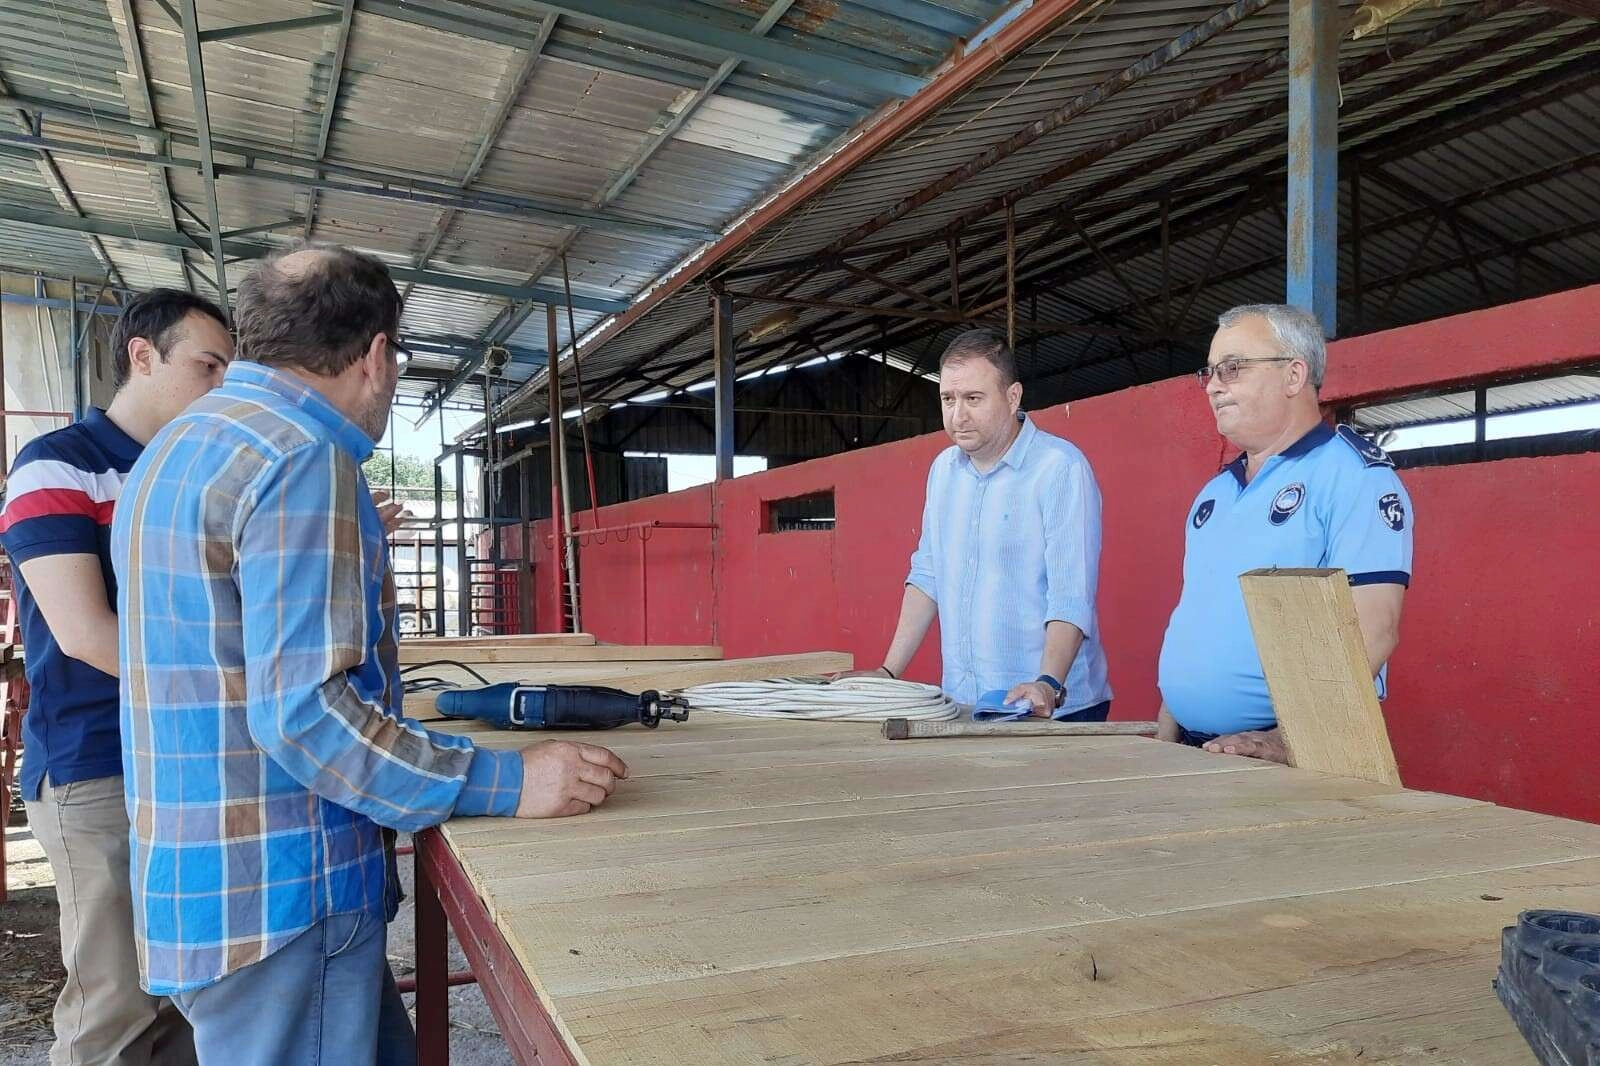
799,893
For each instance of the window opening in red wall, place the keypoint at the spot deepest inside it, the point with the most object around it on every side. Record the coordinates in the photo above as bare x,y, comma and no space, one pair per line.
1554,415
813,511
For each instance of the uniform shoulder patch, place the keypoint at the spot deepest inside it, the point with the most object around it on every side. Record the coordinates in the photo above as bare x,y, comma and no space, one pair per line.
1370,453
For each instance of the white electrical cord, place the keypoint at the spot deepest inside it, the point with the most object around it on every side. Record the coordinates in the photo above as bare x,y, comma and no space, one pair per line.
852,699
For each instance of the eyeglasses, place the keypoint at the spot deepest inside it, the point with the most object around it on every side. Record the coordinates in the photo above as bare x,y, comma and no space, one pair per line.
1227,370
402,354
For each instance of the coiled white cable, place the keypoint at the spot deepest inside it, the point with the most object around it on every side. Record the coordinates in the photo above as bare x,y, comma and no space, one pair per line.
852,699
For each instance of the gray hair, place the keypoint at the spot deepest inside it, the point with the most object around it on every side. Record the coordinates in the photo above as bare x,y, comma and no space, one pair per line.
1298,332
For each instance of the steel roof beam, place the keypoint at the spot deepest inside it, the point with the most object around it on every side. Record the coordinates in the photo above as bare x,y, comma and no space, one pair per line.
228,33
202,123
384,184
1020,25
662,24
1152,62
241,250
511,320
144,104
59,187
1397,51
491,134
330,102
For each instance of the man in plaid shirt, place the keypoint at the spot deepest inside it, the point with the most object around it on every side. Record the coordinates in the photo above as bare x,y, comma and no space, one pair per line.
264,747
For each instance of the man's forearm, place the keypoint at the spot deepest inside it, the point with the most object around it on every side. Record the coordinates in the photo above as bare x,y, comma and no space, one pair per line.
71,594
917,612
1061,643
94,641
1378,616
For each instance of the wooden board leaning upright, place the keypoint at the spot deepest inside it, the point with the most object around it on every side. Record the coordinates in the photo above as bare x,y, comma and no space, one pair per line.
1316,667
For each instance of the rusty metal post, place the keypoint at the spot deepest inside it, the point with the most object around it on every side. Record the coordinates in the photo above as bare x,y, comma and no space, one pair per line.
1166,259
1313,174
432,946
557,537
525,564
953,242
1011,277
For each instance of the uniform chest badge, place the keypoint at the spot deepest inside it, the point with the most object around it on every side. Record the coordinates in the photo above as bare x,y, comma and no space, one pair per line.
1203,512
1286,503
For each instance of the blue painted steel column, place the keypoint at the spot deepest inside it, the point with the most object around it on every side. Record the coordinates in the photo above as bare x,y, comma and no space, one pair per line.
1313,238
722,321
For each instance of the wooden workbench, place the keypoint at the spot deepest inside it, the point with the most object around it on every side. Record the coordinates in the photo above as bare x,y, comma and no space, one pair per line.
801,893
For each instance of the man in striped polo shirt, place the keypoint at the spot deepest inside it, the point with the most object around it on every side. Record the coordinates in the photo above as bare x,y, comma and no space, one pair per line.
169,348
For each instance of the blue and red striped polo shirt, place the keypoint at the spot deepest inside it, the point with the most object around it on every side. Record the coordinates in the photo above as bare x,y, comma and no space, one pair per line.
59,498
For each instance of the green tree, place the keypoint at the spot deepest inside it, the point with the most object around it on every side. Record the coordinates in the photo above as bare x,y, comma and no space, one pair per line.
409,471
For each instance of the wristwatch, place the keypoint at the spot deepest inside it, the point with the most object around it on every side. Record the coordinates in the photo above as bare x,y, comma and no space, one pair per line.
1055,686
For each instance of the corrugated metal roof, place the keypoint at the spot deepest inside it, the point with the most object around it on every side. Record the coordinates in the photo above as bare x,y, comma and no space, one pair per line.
1510,398
425,90
1488,110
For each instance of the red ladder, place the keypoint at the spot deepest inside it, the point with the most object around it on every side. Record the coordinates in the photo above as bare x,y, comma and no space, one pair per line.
13,702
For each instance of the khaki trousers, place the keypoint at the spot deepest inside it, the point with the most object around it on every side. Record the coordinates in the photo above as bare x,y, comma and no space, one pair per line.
102,1015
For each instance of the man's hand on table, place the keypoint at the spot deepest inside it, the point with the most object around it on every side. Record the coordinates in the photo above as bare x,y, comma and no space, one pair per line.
1040,696
881,671
1252,744
561,778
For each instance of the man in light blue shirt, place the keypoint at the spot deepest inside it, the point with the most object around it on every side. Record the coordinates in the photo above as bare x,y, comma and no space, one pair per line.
1010,550
1300,494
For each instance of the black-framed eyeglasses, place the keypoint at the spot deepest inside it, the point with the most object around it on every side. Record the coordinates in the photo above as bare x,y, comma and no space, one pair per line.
402,354
1227,370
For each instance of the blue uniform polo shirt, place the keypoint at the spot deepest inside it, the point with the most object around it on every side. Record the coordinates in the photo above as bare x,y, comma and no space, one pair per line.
59,498
1330,500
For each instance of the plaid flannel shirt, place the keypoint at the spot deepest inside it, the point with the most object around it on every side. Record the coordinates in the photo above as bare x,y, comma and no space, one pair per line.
263,740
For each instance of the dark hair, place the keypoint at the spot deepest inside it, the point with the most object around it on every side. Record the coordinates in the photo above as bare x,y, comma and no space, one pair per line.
320,317
984,344
155,316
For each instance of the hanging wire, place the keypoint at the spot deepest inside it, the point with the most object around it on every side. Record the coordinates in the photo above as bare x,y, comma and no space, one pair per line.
128,202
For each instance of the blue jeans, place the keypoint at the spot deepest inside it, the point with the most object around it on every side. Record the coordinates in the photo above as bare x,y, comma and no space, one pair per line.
327,996
1098,713
1196,739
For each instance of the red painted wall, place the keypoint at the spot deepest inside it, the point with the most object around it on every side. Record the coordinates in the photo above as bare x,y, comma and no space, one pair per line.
1494,692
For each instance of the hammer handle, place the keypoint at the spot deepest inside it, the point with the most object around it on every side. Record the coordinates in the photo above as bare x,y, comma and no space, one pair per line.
910,729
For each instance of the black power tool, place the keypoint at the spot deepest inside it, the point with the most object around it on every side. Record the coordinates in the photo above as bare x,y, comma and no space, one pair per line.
511,705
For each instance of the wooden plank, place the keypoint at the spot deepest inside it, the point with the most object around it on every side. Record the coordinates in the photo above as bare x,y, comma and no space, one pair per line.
1397,975
805,892
655,922
592,653
638,676
808,893
1317,672
504,640
967,822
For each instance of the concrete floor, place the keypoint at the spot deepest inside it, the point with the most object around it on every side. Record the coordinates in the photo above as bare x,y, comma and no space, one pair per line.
30,972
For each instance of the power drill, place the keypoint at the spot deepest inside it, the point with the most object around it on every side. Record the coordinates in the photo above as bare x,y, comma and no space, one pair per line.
512,705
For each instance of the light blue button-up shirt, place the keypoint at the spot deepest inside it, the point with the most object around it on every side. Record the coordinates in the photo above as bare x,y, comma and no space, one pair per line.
1330,500
1004,553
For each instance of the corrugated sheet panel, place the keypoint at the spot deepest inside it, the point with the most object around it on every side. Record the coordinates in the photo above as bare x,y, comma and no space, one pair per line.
419,92
1501,399
1519,180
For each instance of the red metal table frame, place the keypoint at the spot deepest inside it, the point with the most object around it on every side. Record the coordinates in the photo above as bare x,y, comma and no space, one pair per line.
444,893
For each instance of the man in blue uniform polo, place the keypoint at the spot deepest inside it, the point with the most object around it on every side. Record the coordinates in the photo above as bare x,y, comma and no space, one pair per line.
1300,494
